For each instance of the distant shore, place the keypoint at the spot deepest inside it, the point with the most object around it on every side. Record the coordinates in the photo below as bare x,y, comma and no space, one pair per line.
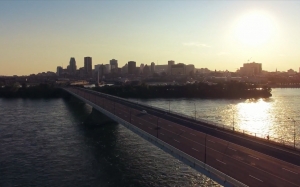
232,90
40,91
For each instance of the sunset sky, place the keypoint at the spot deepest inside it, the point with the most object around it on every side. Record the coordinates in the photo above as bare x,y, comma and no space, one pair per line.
37,36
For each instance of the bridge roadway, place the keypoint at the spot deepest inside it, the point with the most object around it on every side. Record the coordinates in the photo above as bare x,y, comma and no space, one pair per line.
262,165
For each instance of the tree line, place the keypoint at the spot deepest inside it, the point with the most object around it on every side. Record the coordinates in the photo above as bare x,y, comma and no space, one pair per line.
38,91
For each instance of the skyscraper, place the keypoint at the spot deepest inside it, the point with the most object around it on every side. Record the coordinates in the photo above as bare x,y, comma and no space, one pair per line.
113,63
59,71
170,64
72,66
88,66
142,68
125,69
131,67
152,67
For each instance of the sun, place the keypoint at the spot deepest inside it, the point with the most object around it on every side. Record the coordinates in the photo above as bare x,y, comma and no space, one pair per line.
254,28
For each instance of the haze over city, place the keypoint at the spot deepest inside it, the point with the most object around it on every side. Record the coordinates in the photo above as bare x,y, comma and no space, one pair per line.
39,36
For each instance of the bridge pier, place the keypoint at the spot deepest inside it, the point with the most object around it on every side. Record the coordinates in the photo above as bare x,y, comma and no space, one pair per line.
98,118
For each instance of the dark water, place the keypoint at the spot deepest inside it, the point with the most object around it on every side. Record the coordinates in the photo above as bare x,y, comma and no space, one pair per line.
50,143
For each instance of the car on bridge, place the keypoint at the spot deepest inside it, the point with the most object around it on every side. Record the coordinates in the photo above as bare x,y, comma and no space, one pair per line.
144,111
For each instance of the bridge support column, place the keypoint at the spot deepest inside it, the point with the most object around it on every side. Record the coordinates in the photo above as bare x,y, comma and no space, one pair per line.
98,118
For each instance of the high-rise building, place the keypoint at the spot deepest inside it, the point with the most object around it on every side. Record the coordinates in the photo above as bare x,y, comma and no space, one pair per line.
113,63
142,68
81,72
178,69
251,69
59,71
125,69
101,71
107,68
152,67
146,70
131,67
170,64
189,69
96,67
88,66
72,66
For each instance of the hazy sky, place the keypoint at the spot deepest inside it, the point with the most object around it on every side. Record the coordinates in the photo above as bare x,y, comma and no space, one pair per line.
38,36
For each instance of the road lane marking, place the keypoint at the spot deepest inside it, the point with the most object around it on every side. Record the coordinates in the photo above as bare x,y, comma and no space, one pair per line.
161,134
290,171
256,178
176,141
221,161
195,149
231,149
182,130
254,157
192,134
211,141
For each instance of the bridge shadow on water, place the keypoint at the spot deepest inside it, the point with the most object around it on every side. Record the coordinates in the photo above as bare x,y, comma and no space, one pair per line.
111,164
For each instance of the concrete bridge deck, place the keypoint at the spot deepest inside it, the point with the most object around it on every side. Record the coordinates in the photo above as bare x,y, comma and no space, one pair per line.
251,162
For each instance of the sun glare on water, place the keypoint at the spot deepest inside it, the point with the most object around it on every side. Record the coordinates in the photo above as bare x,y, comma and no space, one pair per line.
254,28
255,116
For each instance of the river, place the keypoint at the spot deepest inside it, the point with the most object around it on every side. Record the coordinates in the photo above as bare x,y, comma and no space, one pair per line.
51,142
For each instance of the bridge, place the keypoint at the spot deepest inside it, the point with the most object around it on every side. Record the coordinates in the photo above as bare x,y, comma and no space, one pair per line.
229,158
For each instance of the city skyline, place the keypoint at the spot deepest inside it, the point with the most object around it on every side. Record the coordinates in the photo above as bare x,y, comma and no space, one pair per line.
39,36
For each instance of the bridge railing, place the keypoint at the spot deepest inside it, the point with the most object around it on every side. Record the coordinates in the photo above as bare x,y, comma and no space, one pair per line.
281,141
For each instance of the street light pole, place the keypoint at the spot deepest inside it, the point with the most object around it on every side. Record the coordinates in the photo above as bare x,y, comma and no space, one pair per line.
130,115
195,111
294,121
232,118
169,106
294,134
157,128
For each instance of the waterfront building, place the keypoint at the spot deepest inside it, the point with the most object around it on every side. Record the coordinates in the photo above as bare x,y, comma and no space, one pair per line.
170,64
250,69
